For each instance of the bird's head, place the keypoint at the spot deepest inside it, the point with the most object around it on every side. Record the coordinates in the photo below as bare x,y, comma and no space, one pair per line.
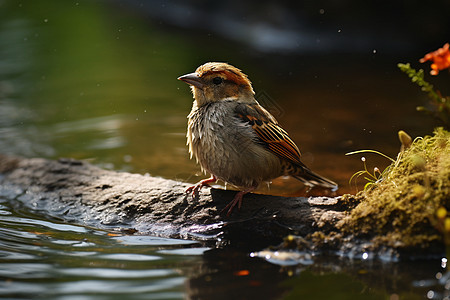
215,81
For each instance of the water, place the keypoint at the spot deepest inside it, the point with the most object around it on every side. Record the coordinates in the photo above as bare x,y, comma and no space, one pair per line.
42,258
96,81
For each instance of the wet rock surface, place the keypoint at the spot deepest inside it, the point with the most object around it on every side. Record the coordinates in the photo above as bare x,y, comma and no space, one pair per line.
76,191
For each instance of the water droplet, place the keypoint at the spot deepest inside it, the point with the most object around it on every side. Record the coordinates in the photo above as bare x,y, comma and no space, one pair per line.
321,11
339,30
430,294
374,51
444,262
363,158
45,20
365,255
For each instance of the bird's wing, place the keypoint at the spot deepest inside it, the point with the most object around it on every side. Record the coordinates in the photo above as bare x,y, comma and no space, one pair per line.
270,134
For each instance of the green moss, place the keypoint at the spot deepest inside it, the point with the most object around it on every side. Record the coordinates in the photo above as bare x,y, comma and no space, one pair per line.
400,210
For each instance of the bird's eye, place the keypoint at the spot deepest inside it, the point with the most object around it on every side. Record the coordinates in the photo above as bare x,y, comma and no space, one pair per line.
217,80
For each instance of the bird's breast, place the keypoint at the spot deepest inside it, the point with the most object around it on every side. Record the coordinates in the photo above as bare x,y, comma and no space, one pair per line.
227,147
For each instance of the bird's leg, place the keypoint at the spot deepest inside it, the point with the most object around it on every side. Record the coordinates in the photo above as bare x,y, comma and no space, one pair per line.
197,187
237,200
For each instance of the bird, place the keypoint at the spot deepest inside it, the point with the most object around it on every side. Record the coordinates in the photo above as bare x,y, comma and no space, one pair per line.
235,139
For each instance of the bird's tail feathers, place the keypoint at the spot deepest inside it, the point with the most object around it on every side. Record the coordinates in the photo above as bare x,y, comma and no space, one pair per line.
310,178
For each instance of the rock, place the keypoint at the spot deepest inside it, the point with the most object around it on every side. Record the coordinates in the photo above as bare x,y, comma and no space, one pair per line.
76,191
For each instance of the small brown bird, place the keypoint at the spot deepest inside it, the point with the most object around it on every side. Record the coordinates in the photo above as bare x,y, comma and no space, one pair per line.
234,138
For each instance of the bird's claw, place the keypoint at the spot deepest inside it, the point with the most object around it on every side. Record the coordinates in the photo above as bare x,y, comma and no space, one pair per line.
237,199
195,189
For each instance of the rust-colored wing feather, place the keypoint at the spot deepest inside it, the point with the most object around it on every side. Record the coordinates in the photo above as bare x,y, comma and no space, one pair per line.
271,135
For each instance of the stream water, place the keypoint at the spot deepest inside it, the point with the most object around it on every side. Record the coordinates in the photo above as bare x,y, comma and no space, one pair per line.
96,81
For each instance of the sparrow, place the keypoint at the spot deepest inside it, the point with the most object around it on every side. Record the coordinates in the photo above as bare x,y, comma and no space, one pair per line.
235,139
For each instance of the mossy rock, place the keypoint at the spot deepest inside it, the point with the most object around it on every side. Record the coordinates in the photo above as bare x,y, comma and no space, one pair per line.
399,210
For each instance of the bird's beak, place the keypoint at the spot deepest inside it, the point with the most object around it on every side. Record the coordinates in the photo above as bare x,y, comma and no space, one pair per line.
192,79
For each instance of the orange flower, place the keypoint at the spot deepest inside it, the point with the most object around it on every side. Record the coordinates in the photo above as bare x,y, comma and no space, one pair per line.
440,58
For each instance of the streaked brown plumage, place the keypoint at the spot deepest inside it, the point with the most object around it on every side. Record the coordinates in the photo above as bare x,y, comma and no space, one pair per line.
234,138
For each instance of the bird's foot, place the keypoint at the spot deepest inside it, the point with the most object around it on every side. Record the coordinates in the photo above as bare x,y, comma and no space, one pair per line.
195,189
237,200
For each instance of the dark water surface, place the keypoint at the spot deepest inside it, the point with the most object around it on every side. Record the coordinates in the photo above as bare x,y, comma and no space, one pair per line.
97,81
